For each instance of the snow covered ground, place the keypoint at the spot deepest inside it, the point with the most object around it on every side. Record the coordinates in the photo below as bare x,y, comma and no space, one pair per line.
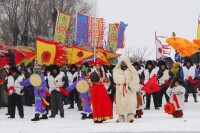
152,121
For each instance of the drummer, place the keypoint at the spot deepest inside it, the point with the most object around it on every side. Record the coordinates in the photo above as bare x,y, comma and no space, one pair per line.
84,91
38,81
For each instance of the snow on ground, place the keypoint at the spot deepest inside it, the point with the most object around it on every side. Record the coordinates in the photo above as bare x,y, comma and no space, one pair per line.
152,121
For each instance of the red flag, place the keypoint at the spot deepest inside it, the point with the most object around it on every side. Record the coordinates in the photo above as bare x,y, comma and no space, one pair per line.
152,85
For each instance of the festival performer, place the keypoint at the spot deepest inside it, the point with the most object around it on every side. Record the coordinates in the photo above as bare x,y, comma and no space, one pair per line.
139,92
101,103
103,75
164,78
82,85
37,80
14,91
176,93
149,71
189,73
56,82
127,81
72,75
5,74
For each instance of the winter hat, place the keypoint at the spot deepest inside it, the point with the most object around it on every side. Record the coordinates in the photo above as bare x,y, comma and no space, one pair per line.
188,60
149,62
136,64
162,62
98,61
14,69
73,66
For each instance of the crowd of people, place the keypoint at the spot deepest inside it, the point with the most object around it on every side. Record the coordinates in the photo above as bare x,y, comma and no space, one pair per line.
121,84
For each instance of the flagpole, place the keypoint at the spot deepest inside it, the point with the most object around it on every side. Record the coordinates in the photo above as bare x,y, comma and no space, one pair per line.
156,46
95,41
75,28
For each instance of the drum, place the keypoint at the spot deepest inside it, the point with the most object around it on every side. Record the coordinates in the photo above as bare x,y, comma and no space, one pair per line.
35,80
82,86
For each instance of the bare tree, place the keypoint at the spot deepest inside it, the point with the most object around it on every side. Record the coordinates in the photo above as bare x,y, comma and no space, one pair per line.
23,20
138,54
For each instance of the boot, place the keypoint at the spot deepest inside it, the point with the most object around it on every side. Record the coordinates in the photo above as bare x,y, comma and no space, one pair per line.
71,107
11,117
121,118
195,99
130,118
146,108
186,100
84,115
52,116
36,117
44,117
90,116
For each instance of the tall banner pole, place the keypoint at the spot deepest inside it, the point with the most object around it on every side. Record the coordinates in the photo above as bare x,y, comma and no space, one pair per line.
75,28
95,41
156,45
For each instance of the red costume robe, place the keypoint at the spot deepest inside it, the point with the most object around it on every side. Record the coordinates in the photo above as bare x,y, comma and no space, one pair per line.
102,106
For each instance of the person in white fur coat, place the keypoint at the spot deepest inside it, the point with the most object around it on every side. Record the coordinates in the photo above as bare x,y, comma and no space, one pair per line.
127,81
176,93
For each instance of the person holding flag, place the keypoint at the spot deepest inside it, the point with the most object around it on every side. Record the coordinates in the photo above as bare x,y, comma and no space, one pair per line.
149,72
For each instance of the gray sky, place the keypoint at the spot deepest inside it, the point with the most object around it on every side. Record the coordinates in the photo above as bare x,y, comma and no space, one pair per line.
144,17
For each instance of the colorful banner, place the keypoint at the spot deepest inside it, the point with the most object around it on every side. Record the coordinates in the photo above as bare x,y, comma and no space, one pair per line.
23,55
45,51
198,30
97,31
112,37
76,55
62,26
159,50
121,31
82,30
183,46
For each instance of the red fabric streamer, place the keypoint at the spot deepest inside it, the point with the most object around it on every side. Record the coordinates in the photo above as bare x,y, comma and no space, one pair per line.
47,93
63,91
176,100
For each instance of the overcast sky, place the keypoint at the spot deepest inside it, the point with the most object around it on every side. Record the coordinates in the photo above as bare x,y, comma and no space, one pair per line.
144,17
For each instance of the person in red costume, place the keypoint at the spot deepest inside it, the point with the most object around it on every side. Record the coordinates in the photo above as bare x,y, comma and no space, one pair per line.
101,103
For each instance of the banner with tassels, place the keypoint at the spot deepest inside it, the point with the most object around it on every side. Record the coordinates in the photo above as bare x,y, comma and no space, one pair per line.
113,37
50,52
121,30
62,26
97,31
82,30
